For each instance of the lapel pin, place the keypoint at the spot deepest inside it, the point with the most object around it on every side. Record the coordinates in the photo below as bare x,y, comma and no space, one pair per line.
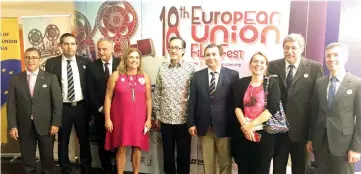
84,66
305,75
44,86
349,91
122,79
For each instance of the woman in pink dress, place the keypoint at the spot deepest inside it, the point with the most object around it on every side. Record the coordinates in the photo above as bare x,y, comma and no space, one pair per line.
127,109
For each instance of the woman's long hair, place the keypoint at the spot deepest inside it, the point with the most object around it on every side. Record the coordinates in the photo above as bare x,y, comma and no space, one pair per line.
122,67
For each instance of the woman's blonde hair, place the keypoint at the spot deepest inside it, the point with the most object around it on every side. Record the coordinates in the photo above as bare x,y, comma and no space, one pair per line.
122,67
263,55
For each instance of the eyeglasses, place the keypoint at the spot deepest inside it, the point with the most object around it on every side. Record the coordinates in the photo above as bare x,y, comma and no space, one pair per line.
174,48
28,58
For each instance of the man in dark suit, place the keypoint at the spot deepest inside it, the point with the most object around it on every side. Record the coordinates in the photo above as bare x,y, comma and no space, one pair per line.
335,128
98,74
34,109
297,78
210,110
71,71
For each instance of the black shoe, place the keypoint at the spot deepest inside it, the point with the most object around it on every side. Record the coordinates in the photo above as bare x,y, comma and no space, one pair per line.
85,170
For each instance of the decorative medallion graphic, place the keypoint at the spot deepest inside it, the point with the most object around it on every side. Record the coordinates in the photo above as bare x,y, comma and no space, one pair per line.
84,36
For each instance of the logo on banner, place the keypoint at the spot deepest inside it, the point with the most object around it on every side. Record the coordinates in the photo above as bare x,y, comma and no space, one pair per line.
116,20
47,43
235,28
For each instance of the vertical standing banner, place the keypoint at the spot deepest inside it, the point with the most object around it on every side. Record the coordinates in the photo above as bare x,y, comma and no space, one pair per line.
241,27
10,65
43,33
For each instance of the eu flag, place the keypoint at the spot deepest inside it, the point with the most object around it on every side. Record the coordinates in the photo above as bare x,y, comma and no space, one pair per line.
10,64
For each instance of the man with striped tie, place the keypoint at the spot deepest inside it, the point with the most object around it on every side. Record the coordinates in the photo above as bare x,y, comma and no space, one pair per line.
71,72
210,111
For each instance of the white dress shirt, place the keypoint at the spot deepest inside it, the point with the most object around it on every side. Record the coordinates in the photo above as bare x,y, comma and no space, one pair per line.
339,78
76,77
216,75
110,65
294,70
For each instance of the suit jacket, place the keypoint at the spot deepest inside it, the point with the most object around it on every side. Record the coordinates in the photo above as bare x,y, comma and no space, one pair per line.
297,99
342,122
53,65
201,109
97,84
45,105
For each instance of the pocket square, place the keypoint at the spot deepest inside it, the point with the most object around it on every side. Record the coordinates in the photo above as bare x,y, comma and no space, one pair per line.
44,86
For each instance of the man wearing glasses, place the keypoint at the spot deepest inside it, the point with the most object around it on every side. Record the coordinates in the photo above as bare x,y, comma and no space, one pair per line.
34,111
171,105
71,71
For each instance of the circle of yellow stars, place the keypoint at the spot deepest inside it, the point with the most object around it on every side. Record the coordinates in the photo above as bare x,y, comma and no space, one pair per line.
10,73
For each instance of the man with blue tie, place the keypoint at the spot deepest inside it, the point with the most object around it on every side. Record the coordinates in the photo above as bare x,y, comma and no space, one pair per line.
335,128
210,111
71,72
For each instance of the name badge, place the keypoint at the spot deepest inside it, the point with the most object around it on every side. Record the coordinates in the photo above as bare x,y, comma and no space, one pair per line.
349,91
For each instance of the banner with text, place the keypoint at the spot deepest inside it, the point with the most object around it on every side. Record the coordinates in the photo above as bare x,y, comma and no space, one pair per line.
10,65
241,27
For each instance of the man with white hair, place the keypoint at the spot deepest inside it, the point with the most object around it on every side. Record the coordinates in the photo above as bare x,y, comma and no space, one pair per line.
99,73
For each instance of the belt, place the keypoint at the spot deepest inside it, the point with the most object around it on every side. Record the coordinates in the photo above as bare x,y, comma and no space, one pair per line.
73,103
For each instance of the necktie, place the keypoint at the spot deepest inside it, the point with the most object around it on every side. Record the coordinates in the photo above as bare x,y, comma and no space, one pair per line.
289,76
31,84
106,71
331,91
71,92
212,85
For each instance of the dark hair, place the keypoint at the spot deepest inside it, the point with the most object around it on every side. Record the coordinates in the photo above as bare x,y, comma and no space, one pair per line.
212,45
66,35
176,37
33,49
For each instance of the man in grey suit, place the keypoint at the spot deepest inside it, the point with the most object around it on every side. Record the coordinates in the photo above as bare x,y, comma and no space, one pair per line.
210,110
297,78
335,128
34,111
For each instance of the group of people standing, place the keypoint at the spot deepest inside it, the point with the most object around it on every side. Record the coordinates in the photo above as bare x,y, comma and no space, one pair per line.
225,112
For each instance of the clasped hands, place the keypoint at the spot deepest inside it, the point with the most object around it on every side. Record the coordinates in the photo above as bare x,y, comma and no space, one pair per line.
248,131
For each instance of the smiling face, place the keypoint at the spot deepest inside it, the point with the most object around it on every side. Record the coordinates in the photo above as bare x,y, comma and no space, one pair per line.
32,60
336,58
212,57
133,60
175,49
258,64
